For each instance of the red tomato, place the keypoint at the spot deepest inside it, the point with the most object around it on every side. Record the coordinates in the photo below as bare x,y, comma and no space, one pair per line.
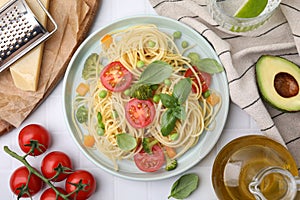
50,194
204,77
150,162
34,133
139,113
54,162
115,77
81,177
19,178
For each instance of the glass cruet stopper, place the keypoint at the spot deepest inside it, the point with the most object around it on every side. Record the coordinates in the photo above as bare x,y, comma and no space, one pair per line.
286,187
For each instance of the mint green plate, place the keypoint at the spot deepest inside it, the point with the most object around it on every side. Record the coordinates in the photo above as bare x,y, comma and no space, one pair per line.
127,168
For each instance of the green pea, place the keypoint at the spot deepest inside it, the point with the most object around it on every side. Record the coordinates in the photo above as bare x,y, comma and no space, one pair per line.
140,64
156,98
184,44
102,93
206,94
151,44
167,82
127,92
177,34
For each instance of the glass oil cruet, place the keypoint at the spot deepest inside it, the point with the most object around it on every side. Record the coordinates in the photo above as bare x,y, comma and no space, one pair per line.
255,167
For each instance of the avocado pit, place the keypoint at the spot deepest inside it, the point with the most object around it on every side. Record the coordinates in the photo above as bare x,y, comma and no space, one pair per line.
286,85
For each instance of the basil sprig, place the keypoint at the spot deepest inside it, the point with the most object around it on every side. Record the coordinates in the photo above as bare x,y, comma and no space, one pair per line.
174,103
184,186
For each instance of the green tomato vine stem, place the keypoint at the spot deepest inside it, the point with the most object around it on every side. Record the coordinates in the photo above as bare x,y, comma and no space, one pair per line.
23,160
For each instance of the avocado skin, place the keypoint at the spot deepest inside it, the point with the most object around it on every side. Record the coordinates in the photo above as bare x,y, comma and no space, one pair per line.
267,67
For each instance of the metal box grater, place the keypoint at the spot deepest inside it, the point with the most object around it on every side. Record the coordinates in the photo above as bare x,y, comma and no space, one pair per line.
20,31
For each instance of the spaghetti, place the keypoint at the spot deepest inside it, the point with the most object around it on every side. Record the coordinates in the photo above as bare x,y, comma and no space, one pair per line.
129,46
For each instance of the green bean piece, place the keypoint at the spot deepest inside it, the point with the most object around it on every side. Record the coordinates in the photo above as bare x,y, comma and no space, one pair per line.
100,131
174,136
115,114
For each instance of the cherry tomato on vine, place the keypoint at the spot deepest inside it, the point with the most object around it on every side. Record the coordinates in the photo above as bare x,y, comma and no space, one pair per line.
150,162
34,135
204,77
56,162
115,77
19,179
50,194
81,178
139,113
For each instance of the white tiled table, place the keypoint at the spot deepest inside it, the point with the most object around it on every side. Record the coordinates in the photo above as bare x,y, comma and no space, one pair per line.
50,115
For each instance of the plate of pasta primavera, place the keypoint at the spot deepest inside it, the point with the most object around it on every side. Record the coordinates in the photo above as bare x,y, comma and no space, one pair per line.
145,98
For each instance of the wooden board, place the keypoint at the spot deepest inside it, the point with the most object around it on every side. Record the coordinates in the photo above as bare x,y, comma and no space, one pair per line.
74,19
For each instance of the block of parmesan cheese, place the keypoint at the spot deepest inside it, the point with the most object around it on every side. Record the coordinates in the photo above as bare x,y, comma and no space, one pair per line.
26,71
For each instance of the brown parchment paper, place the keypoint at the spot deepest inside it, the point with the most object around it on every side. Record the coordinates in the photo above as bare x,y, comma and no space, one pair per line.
74,18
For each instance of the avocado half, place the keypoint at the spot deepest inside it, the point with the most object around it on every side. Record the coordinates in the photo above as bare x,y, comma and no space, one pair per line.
278,80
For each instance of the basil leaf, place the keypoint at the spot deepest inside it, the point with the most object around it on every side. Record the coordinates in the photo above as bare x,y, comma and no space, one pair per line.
209,65
182,90
155,73
184,186
168,121
168,101
126,142
179,112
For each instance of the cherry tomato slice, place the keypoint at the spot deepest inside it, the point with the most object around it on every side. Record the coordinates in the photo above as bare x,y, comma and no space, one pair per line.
150,162
115,77
36,133
204,77
19,179
139,113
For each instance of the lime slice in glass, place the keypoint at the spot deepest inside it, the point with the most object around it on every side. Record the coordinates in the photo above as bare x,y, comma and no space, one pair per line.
251,8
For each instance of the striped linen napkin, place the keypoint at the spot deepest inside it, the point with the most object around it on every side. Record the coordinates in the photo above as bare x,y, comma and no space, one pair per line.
280,36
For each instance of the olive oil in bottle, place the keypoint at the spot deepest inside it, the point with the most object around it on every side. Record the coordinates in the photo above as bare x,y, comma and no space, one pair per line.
240,160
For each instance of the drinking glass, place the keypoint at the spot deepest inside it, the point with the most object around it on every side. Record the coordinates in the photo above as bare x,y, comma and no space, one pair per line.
255,167
223,12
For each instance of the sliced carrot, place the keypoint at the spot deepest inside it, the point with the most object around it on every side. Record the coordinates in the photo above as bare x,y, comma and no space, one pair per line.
170,152
213,99
106,41
88,141
82,89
